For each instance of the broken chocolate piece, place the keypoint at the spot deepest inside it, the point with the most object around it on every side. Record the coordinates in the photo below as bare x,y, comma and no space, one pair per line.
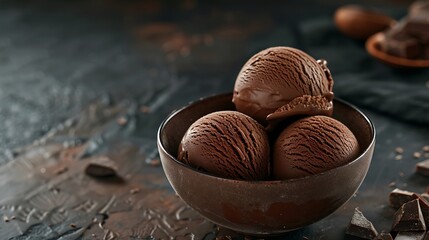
411,235
360,227
101,167
398,197
423,167
384,236
424,207
407,48
409,218
418,25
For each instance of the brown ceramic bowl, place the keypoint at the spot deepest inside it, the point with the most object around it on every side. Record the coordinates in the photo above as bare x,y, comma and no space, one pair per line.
263,207
373,47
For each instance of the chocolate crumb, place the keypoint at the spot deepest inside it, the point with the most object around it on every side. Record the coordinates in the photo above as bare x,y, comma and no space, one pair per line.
101,167
5,219
417,155
135,190
392,184
360,226
144,109
409,218
423,168
398,157
398,197
425,148
56,190
399,150
155,162
73,225
61,170
122,121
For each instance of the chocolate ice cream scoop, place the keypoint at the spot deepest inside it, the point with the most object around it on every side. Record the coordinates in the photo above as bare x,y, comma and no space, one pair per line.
313,145
227,144
274,77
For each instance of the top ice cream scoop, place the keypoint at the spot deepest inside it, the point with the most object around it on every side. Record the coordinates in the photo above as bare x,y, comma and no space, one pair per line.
274,77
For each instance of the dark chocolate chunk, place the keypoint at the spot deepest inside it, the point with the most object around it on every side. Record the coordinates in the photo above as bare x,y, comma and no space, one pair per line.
384,236
424,207
423,167
406,48
360,227
101,167
409,38
418,25
398,197
409,218
411,235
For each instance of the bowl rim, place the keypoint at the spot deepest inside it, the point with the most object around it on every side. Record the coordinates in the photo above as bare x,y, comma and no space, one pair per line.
371,46
209,175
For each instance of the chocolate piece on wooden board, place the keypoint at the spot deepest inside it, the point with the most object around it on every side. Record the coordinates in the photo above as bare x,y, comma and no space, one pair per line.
409,218
360,227
418,25
406,48
398,197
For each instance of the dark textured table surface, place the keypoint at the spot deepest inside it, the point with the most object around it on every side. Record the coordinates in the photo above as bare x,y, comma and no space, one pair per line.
81,80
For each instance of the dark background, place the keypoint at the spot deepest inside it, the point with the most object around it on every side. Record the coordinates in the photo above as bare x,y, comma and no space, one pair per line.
59,59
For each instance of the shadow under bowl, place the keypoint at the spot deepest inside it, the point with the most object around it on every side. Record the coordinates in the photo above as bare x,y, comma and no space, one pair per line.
269,207
372,46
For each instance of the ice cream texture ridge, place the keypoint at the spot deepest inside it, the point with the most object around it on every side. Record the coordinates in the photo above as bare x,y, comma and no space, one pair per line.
282,127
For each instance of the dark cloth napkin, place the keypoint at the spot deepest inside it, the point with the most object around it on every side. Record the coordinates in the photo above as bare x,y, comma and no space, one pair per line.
362,80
